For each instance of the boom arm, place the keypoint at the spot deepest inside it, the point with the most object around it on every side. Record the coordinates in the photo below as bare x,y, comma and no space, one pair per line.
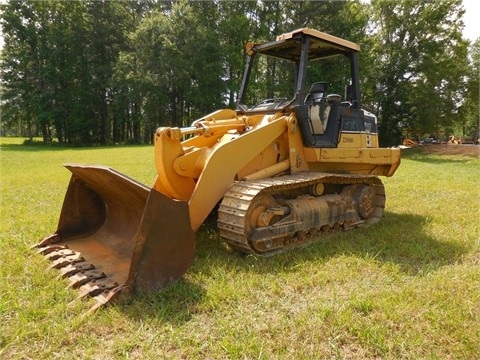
201,175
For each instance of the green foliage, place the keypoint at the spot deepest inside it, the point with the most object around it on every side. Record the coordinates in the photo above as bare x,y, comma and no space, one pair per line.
179,65
470,124
102,72
419,67
56,67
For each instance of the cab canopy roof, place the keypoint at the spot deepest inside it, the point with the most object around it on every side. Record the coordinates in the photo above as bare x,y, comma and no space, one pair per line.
289,45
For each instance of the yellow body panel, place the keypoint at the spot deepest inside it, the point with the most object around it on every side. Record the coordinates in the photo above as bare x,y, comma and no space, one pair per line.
199,170
356,140
222,166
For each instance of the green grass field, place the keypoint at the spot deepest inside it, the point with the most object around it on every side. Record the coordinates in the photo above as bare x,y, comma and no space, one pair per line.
408,287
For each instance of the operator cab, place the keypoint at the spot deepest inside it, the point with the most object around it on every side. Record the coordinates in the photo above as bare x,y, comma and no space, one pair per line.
319,113
294,51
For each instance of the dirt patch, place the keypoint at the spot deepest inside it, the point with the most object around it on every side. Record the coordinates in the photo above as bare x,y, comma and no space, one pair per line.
463,149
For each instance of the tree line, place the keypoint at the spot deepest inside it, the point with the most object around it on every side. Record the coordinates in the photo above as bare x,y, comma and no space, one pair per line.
109,72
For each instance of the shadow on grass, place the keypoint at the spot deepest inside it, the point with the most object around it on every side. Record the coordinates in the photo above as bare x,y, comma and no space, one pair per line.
398,239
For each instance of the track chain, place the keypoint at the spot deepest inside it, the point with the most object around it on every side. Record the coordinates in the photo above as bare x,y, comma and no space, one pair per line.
233,210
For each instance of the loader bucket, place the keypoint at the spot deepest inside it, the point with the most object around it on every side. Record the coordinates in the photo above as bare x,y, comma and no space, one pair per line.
117,236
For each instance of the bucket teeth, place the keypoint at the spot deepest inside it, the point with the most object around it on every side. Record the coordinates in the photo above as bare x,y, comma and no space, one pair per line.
54,255
67,260
72,269
45,250
95,288
48,240
105,297
84,277
81,274
102,291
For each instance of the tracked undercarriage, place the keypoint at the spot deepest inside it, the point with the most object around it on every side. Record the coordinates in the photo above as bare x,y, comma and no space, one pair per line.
269,216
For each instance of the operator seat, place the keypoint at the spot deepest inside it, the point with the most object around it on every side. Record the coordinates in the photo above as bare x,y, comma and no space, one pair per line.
317,109
318,90
316,102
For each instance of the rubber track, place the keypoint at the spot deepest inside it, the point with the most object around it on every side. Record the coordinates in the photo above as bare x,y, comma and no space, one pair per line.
233,209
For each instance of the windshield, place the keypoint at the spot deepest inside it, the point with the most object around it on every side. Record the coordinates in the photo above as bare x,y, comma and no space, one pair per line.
272,82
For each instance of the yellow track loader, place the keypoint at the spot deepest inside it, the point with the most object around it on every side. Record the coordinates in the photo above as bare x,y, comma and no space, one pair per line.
281,171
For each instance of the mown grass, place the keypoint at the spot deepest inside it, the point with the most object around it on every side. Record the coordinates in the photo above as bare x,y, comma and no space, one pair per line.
408,287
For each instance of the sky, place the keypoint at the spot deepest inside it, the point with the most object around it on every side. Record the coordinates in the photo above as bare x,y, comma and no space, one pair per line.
471,20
